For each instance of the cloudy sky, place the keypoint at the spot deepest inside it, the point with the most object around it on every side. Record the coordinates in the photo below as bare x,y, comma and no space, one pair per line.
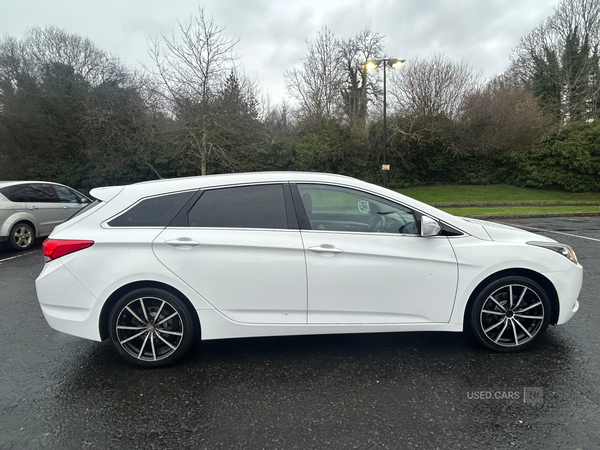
273,32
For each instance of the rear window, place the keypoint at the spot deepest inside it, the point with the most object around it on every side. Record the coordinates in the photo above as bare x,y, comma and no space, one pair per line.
153,212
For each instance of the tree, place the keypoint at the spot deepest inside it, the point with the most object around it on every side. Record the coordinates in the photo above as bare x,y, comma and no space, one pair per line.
502,117
191,69
69,112
432,87
357,88
317,84
558,61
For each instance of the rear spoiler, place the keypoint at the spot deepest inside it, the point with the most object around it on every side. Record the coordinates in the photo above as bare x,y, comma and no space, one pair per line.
106,193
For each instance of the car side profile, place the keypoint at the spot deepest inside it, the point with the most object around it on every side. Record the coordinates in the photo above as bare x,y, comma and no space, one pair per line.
31,209
152,265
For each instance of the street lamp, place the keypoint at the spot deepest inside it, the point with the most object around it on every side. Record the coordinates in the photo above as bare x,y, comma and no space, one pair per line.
372,65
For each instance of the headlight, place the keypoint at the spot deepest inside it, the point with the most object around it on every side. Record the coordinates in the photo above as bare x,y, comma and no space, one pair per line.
563,249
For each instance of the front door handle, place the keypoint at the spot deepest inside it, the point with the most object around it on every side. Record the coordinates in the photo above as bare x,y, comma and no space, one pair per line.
326,248
182,243
33,208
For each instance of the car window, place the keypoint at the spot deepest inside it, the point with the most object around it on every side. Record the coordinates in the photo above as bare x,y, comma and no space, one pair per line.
67,195
39,193
260,206
14,193
336,208
153,212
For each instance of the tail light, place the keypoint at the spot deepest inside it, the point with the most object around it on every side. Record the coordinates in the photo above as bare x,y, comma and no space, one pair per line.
55,248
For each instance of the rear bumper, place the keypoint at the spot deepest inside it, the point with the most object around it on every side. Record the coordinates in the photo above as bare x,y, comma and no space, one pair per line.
77,313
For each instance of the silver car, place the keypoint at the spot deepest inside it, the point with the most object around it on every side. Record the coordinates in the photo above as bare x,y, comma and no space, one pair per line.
31,209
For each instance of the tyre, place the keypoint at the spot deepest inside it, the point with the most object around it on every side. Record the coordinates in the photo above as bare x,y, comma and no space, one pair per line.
151,327
510,314
21,236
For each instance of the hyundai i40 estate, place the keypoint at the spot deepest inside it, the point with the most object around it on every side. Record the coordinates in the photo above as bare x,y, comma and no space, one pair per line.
152,265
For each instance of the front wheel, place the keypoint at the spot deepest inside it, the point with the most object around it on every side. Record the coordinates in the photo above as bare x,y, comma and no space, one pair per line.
510,314
151,327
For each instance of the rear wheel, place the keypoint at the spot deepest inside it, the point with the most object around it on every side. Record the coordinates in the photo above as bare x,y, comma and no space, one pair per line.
21,236
510,314
151,327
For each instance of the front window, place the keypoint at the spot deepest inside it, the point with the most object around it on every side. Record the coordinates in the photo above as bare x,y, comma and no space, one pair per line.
334,208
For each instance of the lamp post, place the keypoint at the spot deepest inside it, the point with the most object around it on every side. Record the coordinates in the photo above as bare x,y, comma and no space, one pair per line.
372,65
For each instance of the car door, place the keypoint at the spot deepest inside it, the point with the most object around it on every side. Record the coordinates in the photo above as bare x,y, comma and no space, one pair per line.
240,248
71,201
44,206
367,262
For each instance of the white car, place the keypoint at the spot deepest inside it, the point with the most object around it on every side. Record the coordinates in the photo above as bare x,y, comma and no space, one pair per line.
151,265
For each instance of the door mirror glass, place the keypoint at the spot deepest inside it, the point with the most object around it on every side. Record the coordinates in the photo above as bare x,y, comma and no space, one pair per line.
429,226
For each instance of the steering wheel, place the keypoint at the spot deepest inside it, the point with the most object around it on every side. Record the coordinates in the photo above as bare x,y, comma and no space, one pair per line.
377,223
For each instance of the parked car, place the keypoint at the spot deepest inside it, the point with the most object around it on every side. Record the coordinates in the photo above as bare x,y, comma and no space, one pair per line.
31,209
152,265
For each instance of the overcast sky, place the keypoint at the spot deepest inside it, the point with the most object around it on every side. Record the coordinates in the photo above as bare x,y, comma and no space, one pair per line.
273,32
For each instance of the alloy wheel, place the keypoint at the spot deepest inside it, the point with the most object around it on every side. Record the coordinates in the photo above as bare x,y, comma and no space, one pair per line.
149,329
512,315
22,236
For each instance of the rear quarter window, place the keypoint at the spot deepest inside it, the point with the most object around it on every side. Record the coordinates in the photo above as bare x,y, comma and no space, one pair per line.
153,212
14,193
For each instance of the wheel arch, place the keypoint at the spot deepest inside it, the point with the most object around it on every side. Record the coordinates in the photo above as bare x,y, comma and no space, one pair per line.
540,279
25,221
123,290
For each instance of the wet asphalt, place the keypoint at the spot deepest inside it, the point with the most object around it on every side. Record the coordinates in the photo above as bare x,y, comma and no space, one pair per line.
376,391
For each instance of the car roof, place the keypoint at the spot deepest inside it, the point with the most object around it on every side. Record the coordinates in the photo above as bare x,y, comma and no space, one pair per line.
13,183
153,187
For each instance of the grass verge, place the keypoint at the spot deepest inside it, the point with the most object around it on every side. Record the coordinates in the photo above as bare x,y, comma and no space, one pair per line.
521,210
495,194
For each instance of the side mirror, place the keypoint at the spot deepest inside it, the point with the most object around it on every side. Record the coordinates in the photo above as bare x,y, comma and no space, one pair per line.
429,226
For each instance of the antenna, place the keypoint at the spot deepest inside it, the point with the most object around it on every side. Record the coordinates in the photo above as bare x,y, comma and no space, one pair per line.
154,170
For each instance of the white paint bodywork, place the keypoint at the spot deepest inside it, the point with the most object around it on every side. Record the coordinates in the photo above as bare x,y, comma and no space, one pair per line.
249,282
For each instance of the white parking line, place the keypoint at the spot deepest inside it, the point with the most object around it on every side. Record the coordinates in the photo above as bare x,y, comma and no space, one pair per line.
550,231
18,256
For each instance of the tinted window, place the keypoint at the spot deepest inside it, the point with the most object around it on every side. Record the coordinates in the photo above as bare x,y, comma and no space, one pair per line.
14,193
153,212
240,207
334,208
40,193
31,193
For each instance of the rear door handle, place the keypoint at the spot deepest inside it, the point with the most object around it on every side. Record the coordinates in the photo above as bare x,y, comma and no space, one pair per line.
326,248
182,243
33,208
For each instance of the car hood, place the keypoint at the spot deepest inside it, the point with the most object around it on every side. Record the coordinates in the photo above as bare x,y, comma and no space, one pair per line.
505,233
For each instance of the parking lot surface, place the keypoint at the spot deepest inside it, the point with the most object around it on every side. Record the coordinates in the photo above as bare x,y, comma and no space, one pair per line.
403,390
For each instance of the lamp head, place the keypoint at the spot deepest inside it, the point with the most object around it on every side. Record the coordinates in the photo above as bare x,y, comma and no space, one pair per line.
372,65
396,63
